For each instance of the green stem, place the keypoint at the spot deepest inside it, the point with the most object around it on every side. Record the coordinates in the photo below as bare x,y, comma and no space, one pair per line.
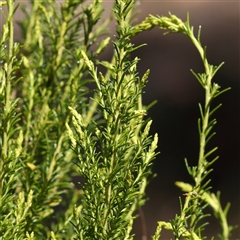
224,224
205,122
32,24
7,100
55,156
7,97
205,119
31,93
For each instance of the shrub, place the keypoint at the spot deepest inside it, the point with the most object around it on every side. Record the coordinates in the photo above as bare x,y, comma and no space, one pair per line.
63,120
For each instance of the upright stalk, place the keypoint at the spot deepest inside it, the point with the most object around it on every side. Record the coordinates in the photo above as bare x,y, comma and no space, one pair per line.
10,5
7,94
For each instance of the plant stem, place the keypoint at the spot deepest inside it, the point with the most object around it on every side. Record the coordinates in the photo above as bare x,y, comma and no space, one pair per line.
7,96
10,4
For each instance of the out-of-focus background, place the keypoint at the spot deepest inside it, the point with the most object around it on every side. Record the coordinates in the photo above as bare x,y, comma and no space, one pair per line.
170,59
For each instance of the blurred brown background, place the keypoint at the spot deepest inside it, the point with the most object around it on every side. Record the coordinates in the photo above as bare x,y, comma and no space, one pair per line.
178,93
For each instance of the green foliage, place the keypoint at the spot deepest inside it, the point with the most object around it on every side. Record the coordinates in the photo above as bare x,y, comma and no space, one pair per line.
62,119
115,159
188,223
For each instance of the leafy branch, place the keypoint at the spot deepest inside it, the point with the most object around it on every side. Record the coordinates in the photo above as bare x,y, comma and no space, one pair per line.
191,211
115,159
